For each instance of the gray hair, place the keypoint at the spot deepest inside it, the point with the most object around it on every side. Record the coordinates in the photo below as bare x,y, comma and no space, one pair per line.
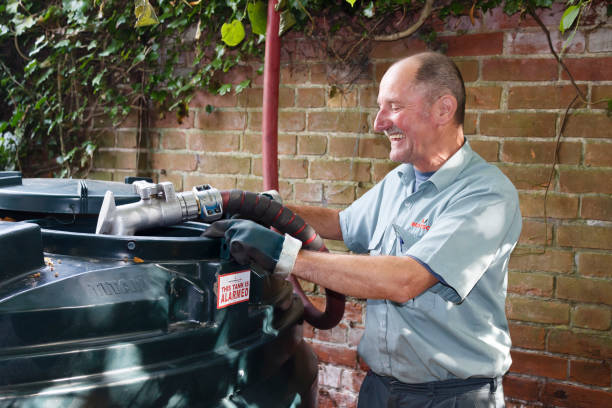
440,76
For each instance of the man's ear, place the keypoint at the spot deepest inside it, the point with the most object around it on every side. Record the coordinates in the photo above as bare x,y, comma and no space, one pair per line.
444,109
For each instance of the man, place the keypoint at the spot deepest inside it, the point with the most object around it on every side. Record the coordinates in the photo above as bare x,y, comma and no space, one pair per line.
441,227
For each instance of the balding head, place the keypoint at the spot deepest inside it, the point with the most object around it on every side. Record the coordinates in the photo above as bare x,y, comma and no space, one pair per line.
437,75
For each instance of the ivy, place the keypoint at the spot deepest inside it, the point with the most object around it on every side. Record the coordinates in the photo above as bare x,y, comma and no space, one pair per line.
70,67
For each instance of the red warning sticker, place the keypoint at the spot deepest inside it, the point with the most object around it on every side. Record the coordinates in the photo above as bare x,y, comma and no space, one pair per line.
233,288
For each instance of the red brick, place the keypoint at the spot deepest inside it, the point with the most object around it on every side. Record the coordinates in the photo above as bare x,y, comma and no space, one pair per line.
599,96
293,168
311,97
340,170
469,124
482,97
580,344
353,122
294,74
127,139
380,169
219,182
529,337
115,160
368,97
589,69
598,265
175,161
339,193
253,98
106,138
522,388
174,140
539,311
532,43
211,142
516,151
536,233
591,317
518,124
172,120
530,284
584,290
355,335
487,149
542,97
202,98
585,236
474,44
590,372
336,355
221,120
380,69
291,121
539,365
566,395
309,192
377,148
343,99
590,125
312,144
586,181
468,69
512,69
596,208
225,165
397,49
555,206
336,334
598,154
549,260
353,312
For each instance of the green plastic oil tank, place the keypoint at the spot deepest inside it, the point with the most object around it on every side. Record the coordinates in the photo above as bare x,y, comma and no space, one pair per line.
163,318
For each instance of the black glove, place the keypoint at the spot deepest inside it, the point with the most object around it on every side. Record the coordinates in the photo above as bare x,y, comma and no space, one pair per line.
249,241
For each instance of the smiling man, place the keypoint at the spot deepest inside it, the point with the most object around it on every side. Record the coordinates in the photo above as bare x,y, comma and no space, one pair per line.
439,230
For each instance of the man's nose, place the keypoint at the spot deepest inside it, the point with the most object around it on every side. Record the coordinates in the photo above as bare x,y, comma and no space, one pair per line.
381,122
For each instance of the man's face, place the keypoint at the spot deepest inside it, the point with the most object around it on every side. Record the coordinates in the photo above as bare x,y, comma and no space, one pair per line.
403,114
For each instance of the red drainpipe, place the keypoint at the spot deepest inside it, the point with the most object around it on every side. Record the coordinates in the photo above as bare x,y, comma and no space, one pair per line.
269,127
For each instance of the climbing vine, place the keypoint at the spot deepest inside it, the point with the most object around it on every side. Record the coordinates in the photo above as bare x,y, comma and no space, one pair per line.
71,67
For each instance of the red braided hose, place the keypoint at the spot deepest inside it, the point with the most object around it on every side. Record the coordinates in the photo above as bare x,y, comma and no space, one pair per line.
271,213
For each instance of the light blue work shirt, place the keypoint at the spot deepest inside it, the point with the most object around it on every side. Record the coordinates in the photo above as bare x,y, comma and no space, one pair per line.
462,224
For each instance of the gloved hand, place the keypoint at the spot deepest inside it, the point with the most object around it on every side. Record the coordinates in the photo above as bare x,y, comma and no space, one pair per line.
249,241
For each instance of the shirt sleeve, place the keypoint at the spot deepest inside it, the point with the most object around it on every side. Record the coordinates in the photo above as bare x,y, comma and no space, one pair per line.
466,239
358,221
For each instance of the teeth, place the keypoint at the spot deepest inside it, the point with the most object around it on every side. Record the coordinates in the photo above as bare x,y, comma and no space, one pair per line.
394,135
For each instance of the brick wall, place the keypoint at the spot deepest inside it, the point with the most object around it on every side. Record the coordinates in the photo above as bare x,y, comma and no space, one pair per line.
560,280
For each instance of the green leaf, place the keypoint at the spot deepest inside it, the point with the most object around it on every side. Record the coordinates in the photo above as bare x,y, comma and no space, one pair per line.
287,20
233,33
351,2
258,17
209,109
241,86
225,88
568,18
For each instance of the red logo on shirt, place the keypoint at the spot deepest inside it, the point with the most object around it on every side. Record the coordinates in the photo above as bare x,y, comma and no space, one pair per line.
422,224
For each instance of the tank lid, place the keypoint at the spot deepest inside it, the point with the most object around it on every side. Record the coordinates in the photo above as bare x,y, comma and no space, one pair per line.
59,196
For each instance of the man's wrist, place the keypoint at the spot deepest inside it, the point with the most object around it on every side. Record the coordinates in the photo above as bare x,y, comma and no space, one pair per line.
286,260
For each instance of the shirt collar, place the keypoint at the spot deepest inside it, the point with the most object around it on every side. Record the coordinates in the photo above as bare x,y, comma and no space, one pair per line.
446,174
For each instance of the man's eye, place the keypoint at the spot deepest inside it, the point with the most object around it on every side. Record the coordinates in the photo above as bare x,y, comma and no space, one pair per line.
395,108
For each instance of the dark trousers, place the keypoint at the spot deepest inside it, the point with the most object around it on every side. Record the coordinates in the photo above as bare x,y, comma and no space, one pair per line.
387,392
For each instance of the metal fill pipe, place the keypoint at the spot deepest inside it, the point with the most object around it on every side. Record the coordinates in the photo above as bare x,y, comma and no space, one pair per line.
269,127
